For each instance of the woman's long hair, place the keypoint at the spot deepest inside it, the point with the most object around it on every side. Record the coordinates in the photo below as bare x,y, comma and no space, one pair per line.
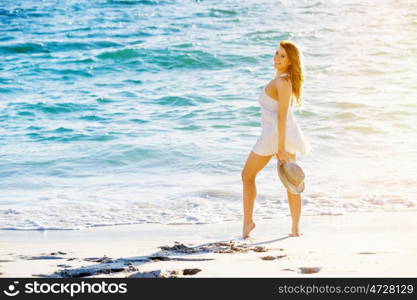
296,69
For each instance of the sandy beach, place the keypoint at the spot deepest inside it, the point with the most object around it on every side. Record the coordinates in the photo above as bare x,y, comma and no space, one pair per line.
355,245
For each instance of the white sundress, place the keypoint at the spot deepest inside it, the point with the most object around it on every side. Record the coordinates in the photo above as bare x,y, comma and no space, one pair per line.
267,143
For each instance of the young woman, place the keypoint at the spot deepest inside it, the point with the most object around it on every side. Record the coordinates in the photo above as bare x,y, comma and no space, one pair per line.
281,135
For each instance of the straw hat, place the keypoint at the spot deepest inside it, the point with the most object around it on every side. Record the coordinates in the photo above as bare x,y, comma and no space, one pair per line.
292,176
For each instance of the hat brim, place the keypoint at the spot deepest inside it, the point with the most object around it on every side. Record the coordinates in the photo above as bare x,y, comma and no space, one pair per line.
294,189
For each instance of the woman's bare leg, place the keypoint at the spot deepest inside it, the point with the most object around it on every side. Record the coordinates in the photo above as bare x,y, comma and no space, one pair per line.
294,201
254,164
295,208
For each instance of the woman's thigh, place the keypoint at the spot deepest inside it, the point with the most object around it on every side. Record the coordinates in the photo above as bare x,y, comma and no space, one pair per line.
254,164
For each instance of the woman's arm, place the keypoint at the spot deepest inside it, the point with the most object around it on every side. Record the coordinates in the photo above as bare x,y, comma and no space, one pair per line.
284,92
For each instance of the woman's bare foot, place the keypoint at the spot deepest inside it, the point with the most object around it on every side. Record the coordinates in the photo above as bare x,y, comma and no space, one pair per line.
295,232
247,228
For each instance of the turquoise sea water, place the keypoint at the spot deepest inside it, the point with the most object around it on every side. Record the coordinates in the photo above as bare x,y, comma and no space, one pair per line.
120,112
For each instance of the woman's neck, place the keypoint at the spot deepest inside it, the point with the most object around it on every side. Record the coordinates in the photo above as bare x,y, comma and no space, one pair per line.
281,74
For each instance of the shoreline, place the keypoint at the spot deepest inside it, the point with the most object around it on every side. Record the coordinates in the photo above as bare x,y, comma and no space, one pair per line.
124,231
369,244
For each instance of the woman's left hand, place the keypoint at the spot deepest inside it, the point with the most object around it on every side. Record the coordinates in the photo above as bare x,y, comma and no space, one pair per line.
283,156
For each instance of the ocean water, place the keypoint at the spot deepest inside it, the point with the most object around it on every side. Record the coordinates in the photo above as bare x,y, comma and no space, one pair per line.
126,112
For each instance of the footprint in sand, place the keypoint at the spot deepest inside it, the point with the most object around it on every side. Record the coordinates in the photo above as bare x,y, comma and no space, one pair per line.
309,270
40,257
216,247
191,271
164,274
304,270
270,257
260,249
103,259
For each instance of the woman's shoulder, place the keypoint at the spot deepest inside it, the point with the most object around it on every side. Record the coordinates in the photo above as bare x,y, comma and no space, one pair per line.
283,83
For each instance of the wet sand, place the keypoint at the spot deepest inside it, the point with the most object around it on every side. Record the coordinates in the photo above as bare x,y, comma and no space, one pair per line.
379,244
